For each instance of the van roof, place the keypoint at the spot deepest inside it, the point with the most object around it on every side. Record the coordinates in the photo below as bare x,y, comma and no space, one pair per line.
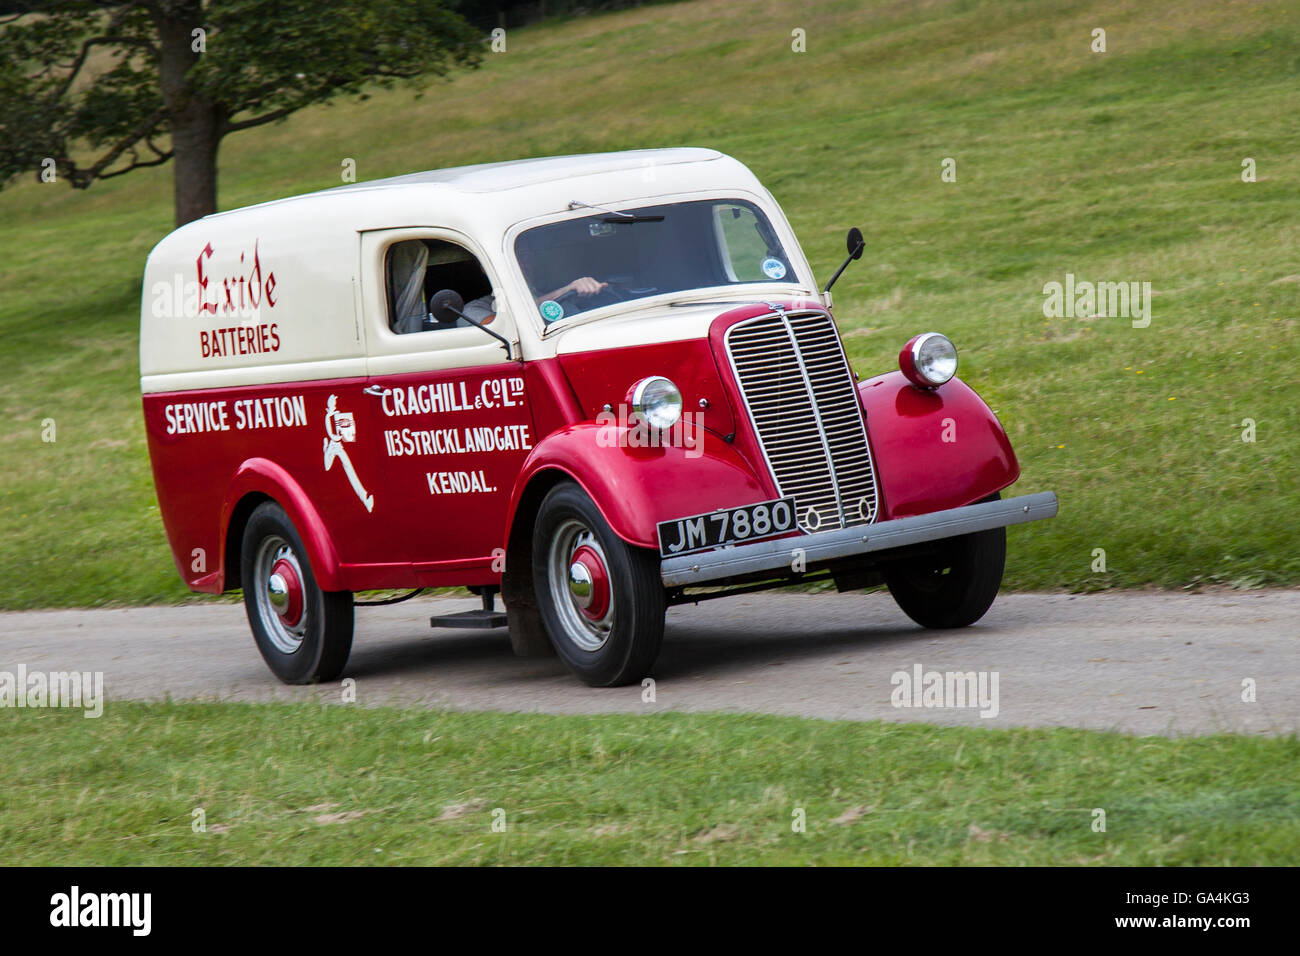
491,177
517,173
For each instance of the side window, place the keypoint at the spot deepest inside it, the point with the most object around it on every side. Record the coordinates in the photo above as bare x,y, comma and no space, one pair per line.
417,269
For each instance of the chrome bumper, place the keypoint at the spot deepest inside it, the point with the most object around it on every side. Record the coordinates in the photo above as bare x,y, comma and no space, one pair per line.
778,553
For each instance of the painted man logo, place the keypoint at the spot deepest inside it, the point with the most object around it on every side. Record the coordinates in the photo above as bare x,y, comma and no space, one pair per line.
341,427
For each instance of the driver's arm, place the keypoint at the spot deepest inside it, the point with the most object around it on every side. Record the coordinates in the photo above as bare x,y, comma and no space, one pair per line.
584,286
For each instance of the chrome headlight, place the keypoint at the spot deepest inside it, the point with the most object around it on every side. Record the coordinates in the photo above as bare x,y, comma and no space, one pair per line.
928,360
657,400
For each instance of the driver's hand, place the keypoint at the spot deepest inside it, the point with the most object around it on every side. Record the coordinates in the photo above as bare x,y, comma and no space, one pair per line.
586,286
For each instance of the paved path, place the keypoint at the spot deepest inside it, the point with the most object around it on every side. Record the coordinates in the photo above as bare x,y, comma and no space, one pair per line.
1146,663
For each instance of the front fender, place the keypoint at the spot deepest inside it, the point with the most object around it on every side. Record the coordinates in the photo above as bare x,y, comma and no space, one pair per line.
636,488
265,477
935,448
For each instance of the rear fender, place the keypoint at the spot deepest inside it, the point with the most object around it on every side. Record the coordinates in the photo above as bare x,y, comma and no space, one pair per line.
262,477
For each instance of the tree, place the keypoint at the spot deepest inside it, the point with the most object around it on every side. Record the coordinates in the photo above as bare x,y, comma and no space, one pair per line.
91,90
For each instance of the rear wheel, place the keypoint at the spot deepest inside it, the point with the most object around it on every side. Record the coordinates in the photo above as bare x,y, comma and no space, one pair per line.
601,599
956,586
304,633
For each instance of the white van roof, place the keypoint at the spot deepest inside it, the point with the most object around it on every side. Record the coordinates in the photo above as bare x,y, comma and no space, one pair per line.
518,174
493,177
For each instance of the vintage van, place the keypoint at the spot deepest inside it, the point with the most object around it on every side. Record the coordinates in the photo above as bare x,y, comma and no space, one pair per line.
597,386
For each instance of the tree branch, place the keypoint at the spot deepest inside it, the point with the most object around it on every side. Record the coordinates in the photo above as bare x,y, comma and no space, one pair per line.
254,97
262,120
142,130
136,163
74,69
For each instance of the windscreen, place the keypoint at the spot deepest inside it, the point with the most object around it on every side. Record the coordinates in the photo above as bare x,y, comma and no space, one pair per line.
608,257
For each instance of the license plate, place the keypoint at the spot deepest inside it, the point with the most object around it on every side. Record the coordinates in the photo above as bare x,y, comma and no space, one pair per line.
728,526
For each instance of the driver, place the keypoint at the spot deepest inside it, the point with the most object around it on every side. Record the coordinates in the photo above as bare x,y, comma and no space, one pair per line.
484,308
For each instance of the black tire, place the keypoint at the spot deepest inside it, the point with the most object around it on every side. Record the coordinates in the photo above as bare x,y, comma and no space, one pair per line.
616,647
954,588
316,645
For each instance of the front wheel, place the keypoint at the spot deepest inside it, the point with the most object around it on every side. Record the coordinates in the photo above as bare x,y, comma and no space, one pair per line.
955,587
304,633
601,600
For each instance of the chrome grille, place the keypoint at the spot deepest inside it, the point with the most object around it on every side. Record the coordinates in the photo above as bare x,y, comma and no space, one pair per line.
802,400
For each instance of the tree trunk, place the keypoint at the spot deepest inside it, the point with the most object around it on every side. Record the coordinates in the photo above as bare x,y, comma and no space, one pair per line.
194,178
195,122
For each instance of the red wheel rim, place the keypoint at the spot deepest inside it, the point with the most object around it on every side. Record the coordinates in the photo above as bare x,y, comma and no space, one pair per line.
291,613
596,606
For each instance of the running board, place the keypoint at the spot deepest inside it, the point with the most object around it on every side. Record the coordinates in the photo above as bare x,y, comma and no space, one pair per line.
486,617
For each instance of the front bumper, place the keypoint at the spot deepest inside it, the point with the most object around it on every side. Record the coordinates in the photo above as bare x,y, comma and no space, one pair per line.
777,554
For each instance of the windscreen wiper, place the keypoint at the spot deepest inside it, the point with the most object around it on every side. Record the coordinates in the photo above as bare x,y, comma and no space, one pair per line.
614,215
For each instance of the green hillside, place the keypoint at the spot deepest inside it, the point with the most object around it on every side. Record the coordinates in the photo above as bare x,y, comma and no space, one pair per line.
1116,166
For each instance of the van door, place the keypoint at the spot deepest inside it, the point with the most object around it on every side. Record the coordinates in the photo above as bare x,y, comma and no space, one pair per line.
455,421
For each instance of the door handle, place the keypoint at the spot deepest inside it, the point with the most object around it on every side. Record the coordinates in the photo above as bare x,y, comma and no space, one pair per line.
375,390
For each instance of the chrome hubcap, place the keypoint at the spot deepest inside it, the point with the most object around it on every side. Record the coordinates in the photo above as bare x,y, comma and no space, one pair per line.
277,592
580,584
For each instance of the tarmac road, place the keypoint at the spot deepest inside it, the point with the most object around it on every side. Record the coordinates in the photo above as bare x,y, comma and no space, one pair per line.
1143,663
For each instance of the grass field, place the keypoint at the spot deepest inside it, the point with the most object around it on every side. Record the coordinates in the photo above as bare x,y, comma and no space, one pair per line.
312,784
1122,166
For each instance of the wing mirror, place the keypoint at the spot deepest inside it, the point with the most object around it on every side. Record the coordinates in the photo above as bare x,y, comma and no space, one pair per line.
855,244
445,308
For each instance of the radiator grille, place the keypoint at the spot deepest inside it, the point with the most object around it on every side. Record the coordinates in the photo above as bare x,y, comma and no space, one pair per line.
803,402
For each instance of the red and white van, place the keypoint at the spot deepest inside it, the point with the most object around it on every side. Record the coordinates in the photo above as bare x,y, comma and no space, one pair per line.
596,385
